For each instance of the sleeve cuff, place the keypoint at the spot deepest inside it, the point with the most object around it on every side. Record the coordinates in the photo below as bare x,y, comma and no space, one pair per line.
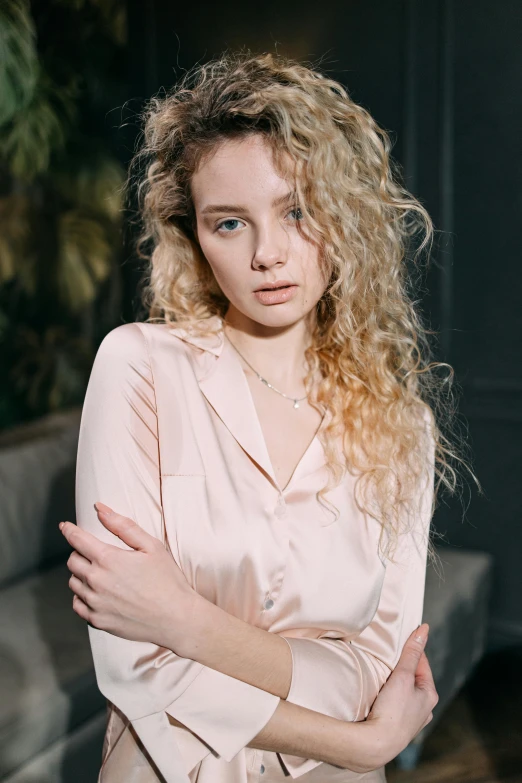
326,678
224,712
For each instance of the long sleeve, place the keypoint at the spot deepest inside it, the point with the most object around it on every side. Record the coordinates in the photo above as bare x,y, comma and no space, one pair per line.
342,678
118,464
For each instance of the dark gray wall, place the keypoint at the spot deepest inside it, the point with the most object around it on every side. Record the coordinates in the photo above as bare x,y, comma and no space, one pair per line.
444,77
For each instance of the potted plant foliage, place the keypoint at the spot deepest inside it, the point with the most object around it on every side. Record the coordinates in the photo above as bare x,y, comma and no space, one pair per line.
62,80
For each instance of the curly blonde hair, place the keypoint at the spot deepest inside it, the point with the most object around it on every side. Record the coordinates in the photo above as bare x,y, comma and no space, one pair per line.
369,345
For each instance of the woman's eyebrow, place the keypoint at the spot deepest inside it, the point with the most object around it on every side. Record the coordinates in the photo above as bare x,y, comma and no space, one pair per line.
213,208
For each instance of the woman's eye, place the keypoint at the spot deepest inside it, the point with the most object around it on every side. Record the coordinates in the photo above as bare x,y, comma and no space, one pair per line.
228,225
297,212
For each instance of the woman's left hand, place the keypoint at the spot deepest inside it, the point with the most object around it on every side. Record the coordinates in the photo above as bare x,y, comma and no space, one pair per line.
140,595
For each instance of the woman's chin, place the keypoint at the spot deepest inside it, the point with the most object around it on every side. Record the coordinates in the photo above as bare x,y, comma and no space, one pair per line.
276,318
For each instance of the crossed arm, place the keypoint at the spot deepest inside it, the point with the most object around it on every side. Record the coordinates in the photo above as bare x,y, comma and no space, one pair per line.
215,639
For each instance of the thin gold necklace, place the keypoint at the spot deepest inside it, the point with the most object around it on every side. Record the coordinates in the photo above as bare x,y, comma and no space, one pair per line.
296,400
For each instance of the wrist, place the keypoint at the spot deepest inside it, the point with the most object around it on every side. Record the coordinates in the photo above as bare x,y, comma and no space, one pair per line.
183,626
206,627
368,746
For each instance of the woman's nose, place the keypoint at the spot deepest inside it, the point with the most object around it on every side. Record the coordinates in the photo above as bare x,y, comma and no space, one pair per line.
271,248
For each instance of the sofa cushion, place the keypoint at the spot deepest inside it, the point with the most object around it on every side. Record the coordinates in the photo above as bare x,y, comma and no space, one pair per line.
74,758
37,470
456,606
47,678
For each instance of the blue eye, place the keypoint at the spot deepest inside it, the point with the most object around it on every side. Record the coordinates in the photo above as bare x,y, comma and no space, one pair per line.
227,223
297,212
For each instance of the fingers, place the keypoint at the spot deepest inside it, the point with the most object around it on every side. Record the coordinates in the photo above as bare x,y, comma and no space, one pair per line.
81,609
84,542
424,681
126,529
423,675
413,649
80,590
79,565
80,583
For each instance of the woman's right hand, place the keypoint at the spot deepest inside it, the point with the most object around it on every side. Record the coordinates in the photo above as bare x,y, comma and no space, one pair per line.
404,704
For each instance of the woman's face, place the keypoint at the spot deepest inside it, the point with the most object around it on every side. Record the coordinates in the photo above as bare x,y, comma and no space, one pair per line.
247,227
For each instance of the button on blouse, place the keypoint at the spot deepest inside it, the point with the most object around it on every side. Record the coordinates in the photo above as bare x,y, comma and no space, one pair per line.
170,438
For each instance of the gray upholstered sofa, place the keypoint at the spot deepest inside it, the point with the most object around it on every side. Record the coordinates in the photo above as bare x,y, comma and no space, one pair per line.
456,606
52,716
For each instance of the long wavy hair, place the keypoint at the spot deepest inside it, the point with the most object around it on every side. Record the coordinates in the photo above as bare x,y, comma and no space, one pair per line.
387,397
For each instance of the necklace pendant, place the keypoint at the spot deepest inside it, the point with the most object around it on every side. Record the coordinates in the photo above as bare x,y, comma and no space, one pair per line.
296,404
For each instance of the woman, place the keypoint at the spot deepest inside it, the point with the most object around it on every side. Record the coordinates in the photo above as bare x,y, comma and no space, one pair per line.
262,449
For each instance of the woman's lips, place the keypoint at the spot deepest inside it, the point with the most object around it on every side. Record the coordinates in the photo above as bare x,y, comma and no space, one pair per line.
276,295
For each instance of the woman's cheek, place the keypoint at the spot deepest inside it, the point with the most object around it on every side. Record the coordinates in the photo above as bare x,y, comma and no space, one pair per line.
312,269
230,278
231,268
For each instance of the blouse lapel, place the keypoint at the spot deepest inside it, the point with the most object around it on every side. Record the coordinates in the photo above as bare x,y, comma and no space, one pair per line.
228,392
224,385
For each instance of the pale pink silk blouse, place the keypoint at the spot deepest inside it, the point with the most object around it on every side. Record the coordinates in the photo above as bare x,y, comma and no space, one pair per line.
170,437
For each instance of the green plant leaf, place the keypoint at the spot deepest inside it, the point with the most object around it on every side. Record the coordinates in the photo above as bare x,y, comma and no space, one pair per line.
17,251
92,179
52,368
18,58
84,258
40,128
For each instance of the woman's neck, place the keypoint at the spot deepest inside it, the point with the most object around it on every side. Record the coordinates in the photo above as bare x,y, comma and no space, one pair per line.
276,353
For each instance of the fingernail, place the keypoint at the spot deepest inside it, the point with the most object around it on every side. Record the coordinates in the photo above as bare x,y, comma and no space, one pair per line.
423,636
101,508
61,524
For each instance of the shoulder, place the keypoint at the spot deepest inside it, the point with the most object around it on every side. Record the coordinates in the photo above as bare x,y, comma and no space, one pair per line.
120,349
123,339
137,350
122,369
123,353
130,341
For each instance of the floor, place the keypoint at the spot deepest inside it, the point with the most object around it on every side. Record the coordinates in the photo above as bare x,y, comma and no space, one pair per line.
479,739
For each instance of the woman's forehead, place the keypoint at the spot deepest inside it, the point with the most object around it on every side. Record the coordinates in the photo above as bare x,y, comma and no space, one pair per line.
242,169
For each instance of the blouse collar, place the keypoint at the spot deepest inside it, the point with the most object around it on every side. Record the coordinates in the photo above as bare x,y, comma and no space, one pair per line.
212,342
223,383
